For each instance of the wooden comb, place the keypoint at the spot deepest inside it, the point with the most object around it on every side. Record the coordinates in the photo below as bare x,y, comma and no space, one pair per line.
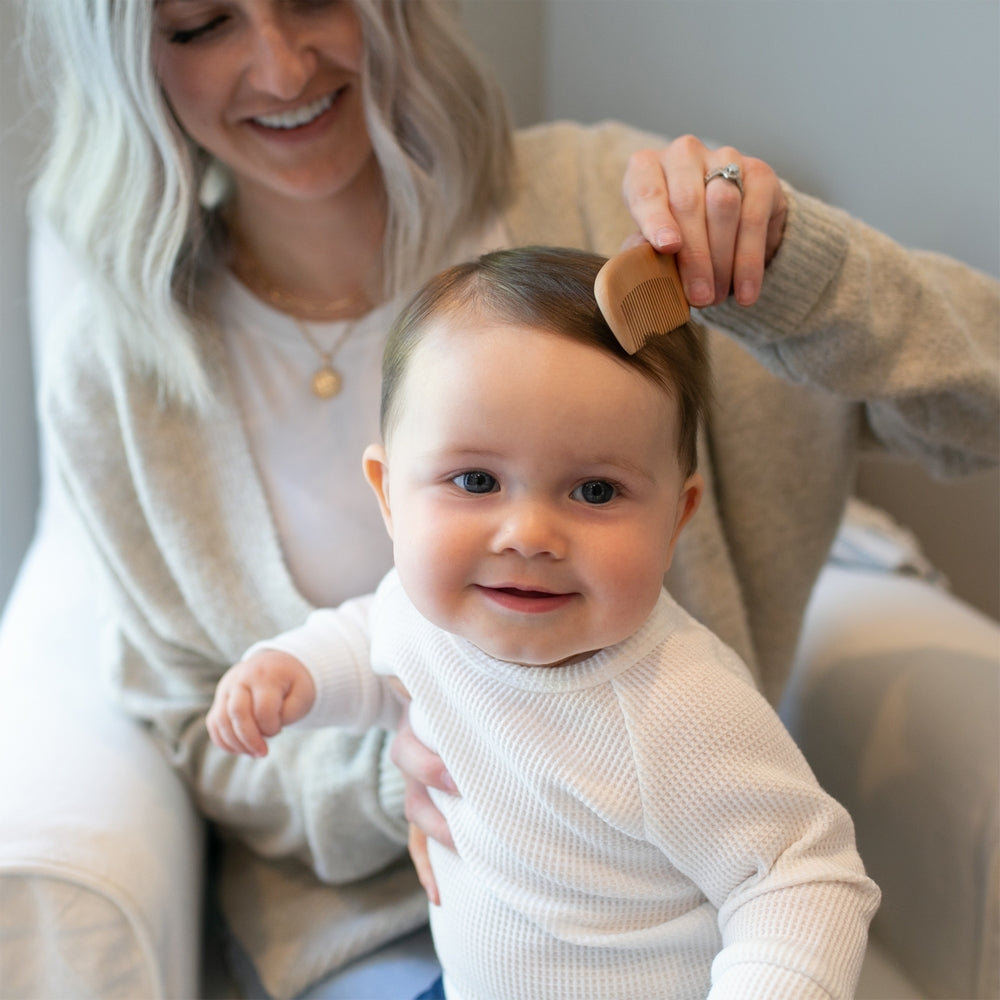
640,294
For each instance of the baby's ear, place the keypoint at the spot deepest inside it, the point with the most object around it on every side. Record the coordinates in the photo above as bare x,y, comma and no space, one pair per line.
376,466
687,505
691,494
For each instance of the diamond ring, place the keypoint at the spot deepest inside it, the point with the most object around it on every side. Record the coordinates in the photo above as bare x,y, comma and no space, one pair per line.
730,172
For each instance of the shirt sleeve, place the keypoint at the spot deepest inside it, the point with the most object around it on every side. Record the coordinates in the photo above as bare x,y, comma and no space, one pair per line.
913,336
333,645
731,801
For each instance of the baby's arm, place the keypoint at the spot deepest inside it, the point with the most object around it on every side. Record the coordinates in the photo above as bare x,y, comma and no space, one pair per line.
772,851
256,698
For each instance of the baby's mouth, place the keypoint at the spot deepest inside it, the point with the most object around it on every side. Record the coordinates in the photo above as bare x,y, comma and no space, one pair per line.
532,594
526,599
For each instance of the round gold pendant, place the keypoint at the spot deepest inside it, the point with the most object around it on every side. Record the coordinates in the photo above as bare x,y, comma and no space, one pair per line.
326,383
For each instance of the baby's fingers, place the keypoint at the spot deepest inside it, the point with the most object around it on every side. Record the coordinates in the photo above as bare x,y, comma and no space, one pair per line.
246,731
220,729
266,704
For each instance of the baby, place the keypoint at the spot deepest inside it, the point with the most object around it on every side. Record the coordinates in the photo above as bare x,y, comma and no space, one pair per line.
634,821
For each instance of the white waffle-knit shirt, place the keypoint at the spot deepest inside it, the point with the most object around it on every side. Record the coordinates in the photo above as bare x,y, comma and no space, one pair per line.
635,825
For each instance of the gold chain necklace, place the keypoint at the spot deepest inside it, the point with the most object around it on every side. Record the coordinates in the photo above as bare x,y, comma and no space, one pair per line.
247,269
326,380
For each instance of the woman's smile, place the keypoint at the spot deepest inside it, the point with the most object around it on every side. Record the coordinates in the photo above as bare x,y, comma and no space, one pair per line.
295,118
272,90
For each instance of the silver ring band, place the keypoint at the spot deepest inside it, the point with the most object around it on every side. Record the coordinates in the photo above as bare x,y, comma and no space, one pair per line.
730,172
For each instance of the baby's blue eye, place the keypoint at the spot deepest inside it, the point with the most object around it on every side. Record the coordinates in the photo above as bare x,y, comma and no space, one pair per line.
475,482
596,491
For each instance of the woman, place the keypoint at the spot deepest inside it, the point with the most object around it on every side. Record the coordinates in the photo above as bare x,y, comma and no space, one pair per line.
249,188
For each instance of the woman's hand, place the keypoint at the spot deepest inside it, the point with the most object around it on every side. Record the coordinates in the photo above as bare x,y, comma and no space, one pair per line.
421,769
722,241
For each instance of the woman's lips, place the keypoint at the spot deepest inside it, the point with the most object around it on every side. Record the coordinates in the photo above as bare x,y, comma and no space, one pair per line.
300,122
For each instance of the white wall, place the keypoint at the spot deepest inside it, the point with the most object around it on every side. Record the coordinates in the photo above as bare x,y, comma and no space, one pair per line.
511,35
887,108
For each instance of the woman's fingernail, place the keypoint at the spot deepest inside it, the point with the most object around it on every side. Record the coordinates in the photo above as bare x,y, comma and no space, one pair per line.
701,292
449,783
666,237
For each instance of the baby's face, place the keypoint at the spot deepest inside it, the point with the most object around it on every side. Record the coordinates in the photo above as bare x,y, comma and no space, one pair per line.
532,490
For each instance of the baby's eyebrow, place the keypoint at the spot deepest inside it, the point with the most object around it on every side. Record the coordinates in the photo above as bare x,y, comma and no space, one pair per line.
456,459
470,453
617,463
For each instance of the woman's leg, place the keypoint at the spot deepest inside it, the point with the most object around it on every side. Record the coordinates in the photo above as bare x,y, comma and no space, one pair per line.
401,970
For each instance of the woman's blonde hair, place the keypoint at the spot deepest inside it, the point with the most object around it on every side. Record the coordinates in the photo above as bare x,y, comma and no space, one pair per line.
125,189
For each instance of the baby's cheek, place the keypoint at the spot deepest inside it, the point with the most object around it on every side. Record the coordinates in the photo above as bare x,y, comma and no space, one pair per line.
633,594
432,585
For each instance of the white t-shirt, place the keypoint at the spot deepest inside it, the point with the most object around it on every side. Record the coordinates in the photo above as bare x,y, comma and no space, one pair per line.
326,515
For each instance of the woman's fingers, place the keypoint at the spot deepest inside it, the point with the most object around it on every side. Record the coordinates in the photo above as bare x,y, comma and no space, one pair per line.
723,236
723,208
422,862
762,226
419,809
644,188
416,761
421,768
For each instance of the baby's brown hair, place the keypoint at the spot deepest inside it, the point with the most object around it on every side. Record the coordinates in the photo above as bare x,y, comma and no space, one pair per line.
551,288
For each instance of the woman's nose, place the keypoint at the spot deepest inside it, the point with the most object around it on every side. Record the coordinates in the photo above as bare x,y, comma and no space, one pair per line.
280,63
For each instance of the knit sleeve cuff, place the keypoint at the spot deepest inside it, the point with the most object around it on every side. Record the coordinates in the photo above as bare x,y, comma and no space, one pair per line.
334,647
808,261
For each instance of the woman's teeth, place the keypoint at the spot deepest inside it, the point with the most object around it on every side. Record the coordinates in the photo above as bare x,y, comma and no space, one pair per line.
298,116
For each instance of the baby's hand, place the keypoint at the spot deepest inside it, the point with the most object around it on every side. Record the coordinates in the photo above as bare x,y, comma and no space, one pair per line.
256,698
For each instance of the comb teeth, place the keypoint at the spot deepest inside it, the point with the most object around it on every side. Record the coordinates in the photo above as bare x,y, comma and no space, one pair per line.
652,308
640,294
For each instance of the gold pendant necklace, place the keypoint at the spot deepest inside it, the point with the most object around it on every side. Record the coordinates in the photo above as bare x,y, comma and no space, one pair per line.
326,380
244,265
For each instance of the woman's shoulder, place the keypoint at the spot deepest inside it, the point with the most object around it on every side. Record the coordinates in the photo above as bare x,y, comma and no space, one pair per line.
606,140
61,309
568,186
